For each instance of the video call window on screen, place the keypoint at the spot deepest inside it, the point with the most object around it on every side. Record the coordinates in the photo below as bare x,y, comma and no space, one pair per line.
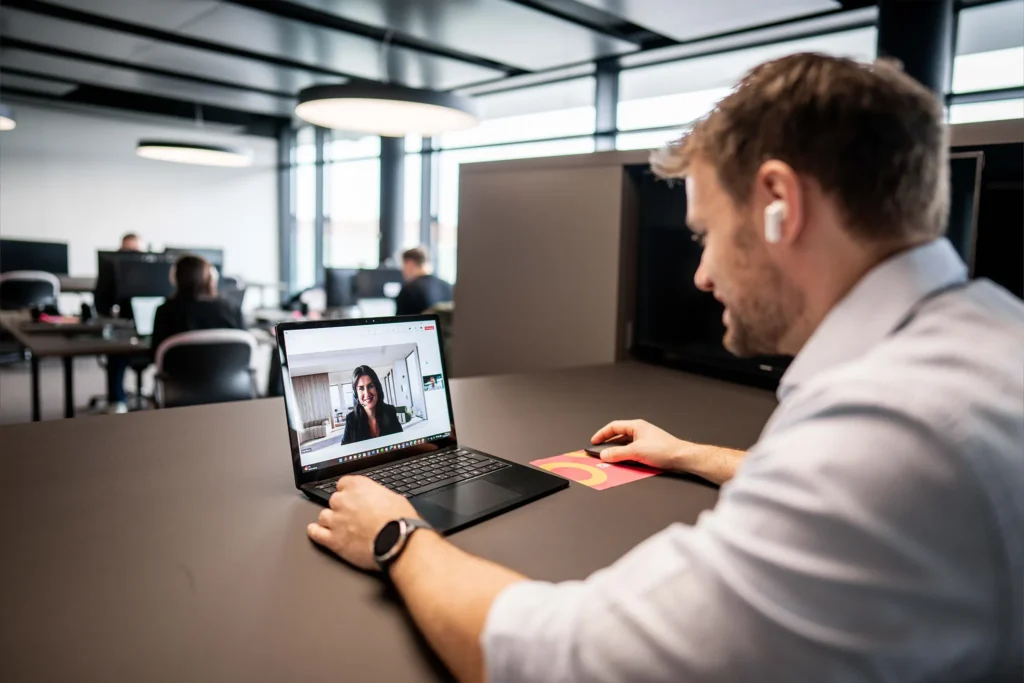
359,391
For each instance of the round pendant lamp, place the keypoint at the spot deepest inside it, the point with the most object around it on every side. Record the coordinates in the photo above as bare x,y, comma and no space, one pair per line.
7,121
192,153
387,110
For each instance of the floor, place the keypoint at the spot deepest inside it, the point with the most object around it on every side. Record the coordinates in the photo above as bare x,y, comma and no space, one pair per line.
90,380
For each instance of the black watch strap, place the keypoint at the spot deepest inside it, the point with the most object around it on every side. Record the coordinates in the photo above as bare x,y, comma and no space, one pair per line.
392,539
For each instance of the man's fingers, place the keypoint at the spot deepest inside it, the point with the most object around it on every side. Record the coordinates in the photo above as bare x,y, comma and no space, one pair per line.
318,533
617,454
613,429
326,518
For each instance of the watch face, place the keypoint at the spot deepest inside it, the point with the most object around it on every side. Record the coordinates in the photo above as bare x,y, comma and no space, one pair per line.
387,538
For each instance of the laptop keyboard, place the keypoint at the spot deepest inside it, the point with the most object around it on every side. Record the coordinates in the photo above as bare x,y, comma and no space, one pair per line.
429,472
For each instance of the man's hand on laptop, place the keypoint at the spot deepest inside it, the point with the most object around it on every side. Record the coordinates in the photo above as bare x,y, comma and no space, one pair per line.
655,447
358,511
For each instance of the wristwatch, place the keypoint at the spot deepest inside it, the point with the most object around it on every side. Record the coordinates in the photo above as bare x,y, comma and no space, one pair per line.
392,539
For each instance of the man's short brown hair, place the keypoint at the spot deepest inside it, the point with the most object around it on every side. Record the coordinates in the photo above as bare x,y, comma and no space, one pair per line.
871,136
418,255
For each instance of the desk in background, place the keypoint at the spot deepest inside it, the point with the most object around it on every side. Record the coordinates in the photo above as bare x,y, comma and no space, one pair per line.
66,341
181,554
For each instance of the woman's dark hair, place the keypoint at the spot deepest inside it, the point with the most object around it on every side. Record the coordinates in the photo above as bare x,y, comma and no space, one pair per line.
365,371
193,277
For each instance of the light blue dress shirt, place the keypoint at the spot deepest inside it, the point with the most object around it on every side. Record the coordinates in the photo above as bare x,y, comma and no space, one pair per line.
875,532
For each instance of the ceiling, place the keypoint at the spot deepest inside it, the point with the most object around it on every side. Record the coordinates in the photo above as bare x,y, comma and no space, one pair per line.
242,62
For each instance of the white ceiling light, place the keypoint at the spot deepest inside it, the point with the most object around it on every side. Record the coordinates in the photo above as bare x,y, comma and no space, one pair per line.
6,118
388,110
191,153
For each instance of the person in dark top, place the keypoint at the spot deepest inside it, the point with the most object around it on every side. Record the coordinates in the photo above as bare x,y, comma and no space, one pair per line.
195,305
117,366
371,417
422,290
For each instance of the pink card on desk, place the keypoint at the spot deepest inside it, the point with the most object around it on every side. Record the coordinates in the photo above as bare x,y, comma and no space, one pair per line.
590,471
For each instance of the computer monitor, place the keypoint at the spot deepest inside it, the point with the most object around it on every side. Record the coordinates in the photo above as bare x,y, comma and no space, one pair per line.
105,295
340,286
49,257
214,256
965,192
146,275
383,283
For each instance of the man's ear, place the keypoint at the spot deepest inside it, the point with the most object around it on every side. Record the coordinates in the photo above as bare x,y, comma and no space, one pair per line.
779,195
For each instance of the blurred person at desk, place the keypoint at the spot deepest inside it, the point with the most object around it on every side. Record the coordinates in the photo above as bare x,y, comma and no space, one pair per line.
117,366
422,289
195,304
873,533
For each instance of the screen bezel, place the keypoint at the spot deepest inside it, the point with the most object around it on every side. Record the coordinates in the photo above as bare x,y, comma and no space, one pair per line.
303,478
979,168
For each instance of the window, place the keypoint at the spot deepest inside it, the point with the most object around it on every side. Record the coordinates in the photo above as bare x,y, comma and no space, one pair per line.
413,192
303,266
352,201
989,56
677,93
352,213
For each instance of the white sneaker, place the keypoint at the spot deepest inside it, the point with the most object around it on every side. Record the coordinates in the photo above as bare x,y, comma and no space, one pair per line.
117,408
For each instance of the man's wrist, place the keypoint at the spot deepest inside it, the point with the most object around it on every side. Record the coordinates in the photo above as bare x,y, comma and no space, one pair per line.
414,546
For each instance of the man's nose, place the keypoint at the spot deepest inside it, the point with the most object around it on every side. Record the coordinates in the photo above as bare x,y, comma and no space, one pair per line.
702,279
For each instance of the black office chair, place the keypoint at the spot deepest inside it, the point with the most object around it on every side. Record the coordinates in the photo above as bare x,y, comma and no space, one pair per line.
205,366
233,290
21,289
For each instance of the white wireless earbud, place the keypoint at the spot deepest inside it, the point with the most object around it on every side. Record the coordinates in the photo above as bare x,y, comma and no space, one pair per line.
774,213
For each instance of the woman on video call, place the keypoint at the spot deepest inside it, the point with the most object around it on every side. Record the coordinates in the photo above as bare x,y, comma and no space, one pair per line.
371,417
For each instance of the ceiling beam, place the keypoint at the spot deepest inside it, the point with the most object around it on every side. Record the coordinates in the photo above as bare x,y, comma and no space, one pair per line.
262,125
599,21
290,10
13,43
129,28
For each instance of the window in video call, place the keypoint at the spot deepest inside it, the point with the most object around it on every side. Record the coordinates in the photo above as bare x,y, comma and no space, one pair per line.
355,392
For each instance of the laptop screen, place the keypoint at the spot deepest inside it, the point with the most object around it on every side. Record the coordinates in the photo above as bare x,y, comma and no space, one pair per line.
357,391
144,313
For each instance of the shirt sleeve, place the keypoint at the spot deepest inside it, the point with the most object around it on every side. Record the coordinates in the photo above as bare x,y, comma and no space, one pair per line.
851,547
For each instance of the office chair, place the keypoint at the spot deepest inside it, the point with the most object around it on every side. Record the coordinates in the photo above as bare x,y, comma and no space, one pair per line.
205,366
233,290
21,289
28,289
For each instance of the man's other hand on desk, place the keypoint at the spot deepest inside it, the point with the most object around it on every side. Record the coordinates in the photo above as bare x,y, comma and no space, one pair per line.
358,510
655,447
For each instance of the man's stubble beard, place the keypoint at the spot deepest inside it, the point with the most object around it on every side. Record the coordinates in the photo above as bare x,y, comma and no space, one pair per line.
760,318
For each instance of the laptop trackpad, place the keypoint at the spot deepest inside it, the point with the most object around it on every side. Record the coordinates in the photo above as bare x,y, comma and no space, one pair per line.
470,498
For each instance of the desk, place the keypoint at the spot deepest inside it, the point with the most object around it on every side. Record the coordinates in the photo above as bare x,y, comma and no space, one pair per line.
59,340
181,555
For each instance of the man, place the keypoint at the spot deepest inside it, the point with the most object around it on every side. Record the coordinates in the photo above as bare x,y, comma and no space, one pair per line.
117,366
874,531
422,290
131,242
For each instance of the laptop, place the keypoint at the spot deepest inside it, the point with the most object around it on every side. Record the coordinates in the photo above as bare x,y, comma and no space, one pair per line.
144,313
417,455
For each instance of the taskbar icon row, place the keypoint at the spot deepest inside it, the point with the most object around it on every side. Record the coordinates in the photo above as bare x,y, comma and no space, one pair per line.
392,447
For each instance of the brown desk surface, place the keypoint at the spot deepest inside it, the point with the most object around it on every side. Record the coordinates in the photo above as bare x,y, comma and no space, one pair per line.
170,545
70,343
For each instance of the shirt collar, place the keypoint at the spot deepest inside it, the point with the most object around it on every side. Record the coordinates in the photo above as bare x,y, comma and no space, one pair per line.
876,305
